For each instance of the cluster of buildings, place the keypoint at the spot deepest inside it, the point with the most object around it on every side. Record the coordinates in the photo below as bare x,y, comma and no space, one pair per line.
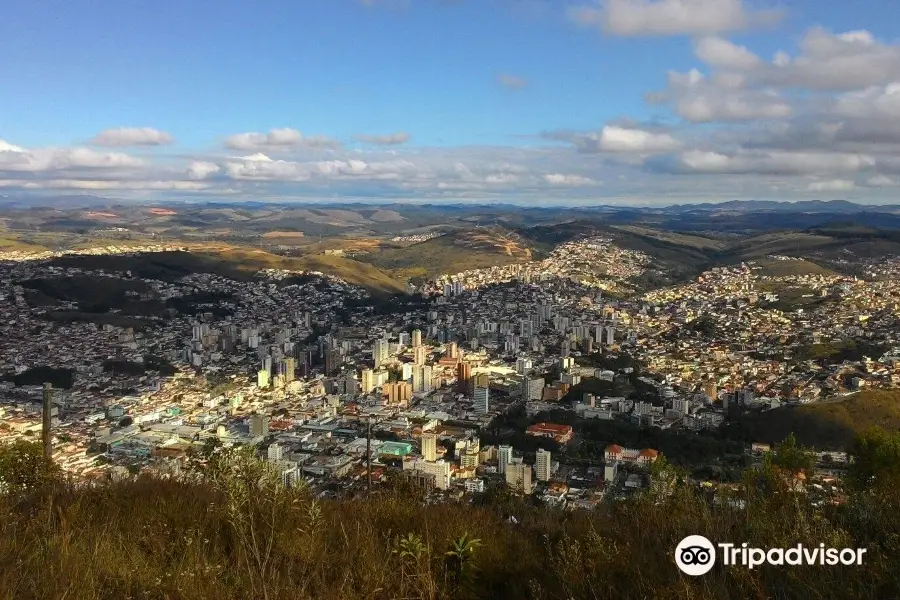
334,393
594,262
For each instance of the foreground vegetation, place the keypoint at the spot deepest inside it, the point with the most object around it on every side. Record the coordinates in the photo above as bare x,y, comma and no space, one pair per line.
236,533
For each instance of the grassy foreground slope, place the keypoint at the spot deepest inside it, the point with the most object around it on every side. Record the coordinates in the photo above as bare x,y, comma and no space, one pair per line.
206,541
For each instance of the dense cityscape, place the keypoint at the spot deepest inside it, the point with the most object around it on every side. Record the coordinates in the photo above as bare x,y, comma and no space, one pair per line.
482,378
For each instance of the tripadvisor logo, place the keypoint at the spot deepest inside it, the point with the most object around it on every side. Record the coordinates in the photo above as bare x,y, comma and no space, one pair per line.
696,555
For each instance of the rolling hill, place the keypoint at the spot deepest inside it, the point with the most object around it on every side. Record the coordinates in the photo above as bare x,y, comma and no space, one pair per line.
456,251
827,425
234,262
787,268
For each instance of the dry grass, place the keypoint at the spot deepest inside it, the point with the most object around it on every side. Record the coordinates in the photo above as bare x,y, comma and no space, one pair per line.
282,234
167,540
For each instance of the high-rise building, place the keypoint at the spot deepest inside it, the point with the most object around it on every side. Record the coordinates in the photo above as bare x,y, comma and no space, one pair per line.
397,392
610,335
523,365
419,355
333,361
259,425
417,380
543,465
482,400
380,352
464,378
504,458
290,366
416,338
367,381
404,339
481,380
642,408
406,371
428,378
534,388
275,452
441,471
262,378
453,350
518,477
350,384
429,446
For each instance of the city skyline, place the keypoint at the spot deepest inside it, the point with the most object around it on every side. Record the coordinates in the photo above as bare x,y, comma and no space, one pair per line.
647,102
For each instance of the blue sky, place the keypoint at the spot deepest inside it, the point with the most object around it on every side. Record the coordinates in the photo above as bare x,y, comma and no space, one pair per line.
507,100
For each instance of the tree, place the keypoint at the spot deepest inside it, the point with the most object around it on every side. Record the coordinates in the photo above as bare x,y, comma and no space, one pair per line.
792,457
23,467
876,459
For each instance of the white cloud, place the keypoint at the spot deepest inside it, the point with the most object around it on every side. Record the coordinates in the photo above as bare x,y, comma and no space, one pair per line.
267,170
876,101
258,157
512,82
620,139
7,147
669,17
60,159
762,163
132,136
570,180
502,178
723,54
391,139
721,98
881,181
831,185
278,140
201,169
835,62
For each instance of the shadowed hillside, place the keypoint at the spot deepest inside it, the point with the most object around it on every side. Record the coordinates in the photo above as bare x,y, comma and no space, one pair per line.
828,425
235,263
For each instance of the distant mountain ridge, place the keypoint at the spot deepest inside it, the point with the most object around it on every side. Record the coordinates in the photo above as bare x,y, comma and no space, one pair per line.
827,206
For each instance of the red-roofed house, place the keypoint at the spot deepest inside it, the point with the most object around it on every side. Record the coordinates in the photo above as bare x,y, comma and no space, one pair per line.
560,433
615,453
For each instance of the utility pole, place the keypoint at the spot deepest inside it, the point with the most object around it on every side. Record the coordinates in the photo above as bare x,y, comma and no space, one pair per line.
369,454
45,429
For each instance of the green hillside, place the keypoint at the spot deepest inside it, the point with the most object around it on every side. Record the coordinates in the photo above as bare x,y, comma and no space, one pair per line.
828,425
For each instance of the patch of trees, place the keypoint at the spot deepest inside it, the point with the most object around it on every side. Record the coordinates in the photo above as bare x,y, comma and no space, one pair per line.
705,325
852,350
212,302
388,304
682,448
123,367
58,377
